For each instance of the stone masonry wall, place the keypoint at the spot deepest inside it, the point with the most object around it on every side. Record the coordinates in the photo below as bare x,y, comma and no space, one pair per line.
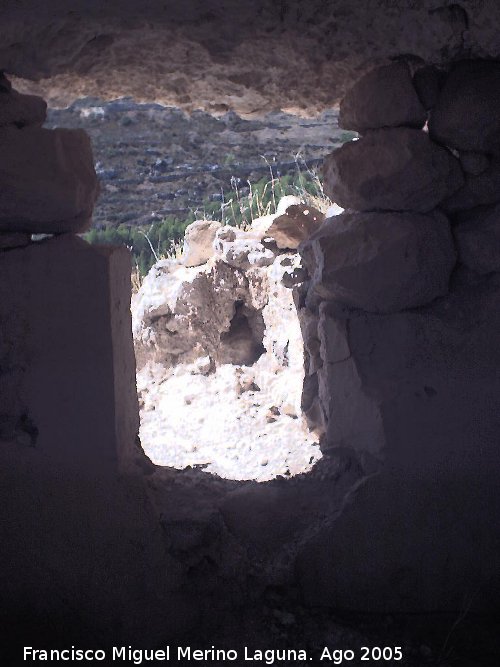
401,324
80,543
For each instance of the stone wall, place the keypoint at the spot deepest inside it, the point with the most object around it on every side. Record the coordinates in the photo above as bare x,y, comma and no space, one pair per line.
80,542
402,324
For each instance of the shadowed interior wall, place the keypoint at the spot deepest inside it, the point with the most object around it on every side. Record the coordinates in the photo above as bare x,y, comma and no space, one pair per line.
400,309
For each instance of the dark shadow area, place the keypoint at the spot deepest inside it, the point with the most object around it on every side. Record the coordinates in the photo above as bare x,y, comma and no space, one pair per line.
242,344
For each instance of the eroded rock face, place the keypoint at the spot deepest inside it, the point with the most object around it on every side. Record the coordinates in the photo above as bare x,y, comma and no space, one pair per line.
48,180
385,97
198,239
466,114
250,56
244,249
220,359
383,262
395,169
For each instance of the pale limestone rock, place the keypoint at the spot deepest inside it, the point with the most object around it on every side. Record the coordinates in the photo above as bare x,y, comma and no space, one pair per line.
385,97
180,312
198,241
49,184
287,201
241,249
223,331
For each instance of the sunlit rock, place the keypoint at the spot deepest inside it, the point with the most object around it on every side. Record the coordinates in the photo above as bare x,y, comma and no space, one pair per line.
198,241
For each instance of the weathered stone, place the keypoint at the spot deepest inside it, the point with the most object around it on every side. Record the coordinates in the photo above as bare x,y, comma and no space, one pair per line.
474,163
421,389
394,169
14,240
70,464
376,554
428,81
48,180
174,319
21,110
385,97
383,262
241,249
198,242
59,349
295,226
477,235
480,190
466,115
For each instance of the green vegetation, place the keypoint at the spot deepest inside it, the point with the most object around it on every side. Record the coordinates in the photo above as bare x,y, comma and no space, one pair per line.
238,207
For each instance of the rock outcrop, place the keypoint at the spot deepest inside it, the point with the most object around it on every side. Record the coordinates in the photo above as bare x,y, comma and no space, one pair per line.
227,327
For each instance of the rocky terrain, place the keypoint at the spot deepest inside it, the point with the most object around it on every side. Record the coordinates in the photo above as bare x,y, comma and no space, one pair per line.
220,353
155,161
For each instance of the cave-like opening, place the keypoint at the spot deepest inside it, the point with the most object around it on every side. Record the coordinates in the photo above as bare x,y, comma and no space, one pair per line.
233,338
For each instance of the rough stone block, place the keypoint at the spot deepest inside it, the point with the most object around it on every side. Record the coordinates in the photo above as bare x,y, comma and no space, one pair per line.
428,81
385,97
466,115
295,226
383,262
21,110
48,180
198,242
477,235
76,522
474,163
395,169
63,306
420,389
480,190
